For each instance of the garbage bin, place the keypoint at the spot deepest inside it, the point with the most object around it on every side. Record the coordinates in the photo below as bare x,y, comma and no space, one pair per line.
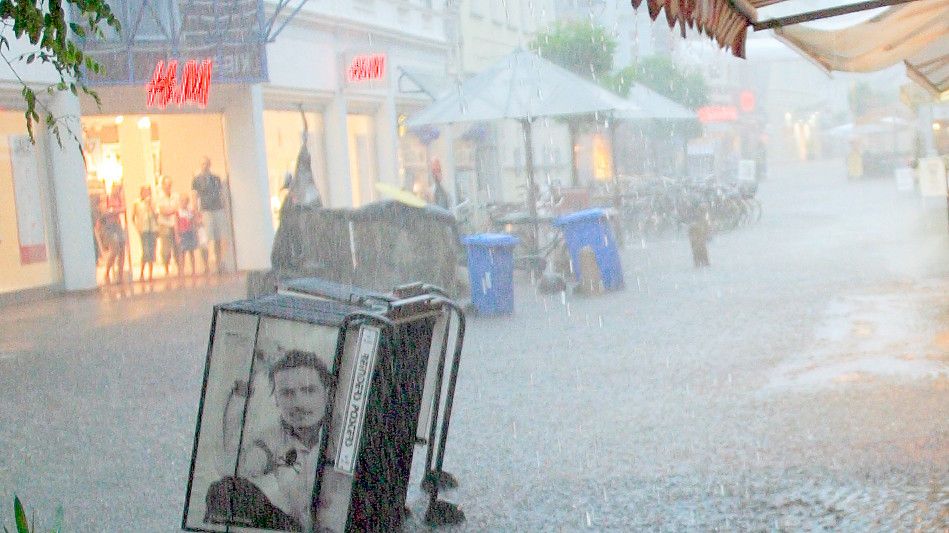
591,227
491,270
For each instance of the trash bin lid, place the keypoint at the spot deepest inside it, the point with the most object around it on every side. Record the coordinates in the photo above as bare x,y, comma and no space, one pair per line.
581,216
490,240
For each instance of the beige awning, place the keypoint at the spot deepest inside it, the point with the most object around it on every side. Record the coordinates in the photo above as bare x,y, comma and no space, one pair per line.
916,34
930,67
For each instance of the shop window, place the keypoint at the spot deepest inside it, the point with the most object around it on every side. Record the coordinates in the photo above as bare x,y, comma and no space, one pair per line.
283,140
476,9
24,219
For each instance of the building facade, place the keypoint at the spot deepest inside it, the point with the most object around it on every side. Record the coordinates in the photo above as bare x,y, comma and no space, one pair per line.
45,241
347,73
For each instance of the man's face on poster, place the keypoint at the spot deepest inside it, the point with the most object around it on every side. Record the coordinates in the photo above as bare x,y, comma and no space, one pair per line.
301,396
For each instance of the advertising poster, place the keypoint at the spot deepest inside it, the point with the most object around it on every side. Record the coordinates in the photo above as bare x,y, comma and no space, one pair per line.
31,229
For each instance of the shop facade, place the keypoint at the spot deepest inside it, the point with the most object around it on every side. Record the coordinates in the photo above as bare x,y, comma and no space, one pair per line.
357,86
336,76
38,184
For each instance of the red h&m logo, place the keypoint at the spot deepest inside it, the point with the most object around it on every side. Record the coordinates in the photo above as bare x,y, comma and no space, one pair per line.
366,68
194,88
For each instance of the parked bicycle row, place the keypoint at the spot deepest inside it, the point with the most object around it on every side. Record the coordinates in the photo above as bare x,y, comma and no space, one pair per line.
656,206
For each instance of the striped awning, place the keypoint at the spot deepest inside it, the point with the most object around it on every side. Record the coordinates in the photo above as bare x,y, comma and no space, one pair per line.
725,21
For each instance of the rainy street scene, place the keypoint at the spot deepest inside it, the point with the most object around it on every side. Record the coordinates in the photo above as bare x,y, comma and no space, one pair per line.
474,265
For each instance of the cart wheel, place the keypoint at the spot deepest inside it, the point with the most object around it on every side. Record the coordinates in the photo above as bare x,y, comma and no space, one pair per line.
445,481
442,513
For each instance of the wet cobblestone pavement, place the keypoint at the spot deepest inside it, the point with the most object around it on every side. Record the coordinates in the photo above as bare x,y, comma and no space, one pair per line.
800,384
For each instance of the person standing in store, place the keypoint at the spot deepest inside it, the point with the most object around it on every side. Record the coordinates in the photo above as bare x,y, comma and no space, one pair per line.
167,204
209,191
439,195
187,234
113,233
146,222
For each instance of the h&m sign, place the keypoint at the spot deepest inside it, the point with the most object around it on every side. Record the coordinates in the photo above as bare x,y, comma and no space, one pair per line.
193,87
365,69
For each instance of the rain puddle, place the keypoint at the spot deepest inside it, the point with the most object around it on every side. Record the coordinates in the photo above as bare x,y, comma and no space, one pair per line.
900,334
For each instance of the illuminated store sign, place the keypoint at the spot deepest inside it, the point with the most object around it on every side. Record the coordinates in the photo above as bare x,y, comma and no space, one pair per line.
194,87
747,101
366,67
717,113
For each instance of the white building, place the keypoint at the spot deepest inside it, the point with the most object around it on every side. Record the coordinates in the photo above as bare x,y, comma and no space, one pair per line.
353,67
45,237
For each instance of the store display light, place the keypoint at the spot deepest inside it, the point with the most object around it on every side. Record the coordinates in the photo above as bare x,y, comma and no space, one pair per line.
110,171
119,119
144,123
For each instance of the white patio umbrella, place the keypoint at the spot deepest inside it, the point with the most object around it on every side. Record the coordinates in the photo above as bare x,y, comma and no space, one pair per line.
523,87
652,105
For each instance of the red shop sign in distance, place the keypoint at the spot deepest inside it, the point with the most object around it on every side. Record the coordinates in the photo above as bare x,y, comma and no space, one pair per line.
717,113
194,86
366,67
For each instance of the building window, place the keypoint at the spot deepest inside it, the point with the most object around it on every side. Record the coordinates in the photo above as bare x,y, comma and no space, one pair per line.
477,8
497,12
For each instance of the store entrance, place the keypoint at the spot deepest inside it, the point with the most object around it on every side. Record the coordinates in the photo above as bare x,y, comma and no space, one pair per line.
128,157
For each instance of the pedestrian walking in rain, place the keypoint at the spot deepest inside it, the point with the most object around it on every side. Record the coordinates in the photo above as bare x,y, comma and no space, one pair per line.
698,238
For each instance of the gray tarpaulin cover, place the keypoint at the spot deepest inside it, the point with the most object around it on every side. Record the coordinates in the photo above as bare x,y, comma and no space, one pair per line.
378,246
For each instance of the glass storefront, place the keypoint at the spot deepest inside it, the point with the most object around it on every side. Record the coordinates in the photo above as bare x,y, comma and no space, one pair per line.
414,153
362,158
283,137
128,154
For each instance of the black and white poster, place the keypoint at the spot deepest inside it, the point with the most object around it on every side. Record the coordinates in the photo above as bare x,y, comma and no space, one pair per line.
264,427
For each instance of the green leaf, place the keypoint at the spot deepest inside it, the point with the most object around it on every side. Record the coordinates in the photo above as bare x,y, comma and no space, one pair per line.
20,516
58,522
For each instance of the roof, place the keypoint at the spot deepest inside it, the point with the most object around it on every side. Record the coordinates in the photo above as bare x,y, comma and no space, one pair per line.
653,105
520,86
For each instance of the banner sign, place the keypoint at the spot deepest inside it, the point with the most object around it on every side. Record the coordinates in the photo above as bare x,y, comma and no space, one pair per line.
355,410
31,229
194,88
366,67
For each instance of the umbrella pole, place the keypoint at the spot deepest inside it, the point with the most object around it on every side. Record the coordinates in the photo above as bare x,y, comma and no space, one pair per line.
617,194
531,193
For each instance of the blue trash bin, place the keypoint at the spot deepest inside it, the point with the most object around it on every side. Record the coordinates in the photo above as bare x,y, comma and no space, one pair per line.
491,271
591,227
